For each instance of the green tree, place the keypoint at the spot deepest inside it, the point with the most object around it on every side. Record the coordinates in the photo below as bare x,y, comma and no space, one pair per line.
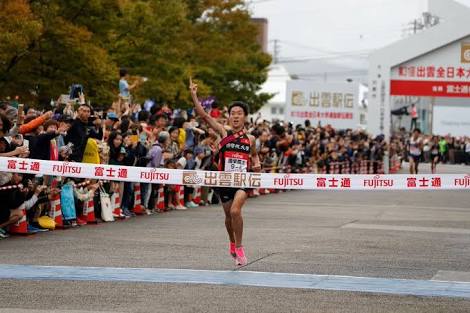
150,40
49,44
168,41
19,32
225,51
60,54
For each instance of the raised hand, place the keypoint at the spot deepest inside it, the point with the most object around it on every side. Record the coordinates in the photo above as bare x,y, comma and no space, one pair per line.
21,150
192,87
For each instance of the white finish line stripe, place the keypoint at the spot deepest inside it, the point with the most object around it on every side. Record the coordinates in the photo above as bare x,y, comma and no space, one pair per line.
427,288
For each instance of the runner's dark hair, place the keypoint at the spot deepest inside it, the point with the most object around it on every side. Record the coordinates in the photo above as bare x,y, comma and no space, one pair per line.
241,104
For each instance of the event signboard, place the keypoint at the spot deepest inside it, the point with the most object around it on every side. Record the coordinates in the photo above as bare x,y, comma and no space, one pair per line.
336,104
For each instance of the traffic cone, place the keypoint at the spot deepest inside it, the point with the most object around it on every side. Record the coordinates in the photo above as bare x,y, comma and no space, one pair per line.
116,203
395,166
138,208
197,195
160,204
20,227
56,211
180,192
89,211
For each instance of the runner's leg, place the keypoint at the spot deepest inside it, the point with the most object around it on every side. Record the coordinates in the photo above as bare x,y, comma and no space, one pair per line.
436,161
228,220
236,215
416,161
412,164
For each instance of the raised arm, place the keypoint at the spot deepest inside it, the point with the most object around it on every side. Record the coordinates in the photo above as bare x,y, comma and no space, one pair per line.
219,128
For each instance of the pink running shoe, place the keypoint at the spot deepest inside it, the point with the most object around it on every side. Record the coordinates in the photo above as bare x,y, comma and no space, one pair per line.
240,259
232,250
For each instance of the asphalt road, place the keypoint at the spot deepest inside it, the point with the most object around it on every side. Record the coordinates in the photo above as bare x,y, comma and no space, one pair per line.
390,235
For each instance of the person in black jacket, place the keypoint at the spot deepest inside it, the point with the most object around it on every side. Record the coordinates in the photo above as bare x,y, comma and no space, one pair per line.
80,132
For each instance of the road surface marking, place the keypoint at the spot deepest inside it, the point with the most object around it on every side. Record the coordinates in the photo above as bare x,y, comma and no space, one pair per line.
408,228
427,288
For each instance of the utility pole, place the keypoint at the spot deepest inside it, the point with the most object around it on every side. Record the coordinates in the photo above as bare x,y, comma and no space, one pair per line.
276,51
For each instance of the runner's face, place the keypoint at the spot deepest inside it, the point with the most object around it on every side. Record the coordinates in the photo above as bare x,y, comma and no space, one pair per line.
237,117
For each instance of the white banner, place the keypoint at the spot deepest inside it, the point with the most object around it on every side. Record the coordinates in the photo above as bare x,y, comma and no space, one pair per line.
336,104
237,180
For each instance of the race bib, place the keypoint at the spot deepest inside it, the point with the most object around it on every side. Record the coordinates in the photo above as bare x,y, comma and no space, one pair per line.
414,150
236,162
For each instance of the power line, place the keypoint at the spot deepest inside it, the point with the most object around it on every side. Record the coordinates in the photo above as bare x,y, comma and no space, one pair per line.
303,59
259,1
324,51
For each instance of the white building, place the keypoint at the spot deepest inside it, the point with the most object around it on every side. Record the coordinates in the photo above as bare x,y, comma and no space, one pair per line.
430,69
276,84
315,71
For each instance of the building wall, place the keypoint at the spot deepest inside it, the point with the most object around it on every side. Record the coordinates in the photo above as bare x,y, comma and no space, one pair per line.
272,111
262,38
451,116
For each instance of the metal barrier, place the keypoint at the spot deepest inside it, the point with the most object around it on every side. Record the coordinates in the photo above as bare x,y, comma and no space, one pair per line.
347,167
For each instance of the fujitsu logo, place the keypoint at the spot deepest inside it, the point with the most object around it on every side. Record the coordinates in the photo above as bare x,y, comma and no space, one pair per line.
377,182
462,182
191,178
65,168
154,175
237,156
287,180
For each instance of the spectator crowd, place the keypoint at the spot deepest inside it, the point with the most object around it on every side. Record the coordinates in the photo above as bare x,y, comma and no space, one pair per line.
157,136
432,148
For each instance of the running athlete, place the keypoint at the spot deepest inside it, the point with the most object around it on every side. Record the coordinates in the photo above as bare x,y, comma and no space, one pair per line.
237,153
414,150
434,153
